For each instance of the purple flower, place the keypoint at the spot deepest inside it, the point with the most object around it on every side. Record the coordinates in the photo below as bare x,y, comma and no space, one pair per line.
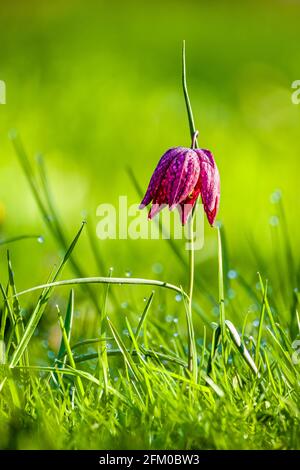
182,174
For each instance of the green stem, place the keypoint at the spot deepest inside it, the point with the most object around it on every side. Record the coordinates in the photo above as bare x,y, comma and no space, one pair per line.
186,97
192,351
221,286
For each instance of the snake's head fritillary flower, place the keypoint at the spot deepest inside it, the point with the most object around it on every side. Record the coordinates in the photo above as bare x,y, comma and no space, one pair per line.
182,174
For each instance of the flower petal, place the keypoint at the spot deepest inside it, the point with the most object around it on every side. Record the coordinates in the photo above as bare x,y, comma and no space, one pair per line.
186,206
182,175
155,209
210,184
159,174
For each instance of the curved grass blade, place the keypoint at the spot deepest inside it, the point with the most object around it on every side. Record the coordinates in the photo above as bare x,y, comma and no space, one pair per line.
6,241
106,280
145,352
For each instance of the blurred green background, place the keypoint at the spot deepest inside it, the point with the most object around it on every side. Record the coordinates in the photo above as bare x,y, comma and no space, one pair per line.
96,86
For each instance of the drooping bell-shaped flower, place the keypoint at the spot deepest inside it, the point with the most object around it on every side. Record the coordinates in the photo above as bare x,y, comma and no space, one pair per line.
182,174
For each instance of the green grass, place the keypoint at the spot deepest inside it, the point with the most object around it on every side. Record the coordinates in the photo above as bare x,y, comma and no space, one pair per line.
99,358
130,387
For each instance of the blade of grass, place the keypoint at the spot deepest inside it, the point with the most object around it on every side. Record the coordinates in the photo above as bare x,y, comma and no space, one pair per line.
45,204
127,358
161,356
6,241
80,388
41,305
5,313
192,349
86,342
2,352
75,373
261,322
2,383
8,312
241,347
144,316
67,328
104,305
268,308
106,280
203,348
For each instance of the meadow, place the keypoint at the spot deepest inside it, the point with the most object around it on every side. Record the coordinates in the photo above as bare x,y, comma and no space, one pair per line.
94,98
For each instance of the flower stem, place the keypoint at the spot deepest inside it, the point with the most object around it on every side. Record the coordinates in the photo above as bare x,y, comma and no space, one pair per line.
192,352
186,97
